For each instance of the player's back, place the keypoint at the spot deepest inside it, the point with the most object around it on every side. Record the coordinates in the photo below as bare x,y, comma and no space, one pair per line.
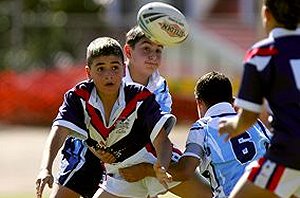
226,161
274,65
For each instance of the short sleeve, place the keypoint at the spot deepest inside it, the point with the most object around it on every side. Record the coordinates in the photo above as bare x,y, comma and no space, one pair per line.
71,115
195,142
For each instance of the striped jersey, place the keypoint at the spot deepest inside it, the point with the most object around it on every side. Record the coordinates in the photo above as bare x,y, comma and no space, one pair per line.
135,120
223,163
272,71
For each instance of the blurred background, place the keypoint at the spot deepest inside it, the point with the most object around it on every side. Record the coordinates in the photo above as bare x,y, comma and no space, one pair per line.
43,43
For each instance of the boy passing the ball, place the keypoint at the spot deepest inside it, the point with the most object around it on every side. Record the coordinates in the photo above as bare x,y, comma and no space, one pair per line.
109,115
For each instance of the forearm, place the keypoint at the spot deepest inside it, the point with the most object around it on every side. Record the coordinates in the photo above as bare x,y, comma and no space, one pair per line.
245,120
54,142
164,152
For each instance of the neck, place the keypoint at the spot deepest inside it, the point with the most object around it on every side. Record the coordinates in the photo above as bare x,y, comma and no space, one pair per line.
108,101
138,77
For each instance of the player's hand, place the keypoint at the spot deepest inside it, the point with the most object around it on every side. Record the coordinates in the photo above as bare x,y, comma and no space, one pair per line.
44,177
228,126
106,156
136,172
162,175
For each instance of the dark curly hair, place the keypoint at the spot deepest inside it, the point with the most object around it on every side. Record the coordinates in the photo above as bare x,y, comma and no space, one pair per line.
213,88
285,12
103,46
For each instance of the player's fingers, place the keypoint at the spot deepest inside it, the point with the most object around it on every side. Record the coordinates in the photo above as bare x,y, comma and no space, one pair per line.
110,159
50,182
223,130
221,127
37,184
156,166
40,189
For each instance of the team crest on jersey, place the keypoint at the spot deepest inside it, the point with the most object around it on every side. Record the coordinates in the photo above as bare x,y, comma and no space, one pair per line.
121,126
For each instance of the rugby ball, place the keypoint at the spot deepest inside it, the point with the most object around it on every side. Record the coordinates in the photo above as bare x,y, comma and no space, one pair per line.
163,23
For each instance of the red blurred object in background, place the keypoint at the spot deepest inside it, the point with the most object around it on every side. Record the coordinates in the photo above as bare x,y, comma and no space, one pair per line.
34,98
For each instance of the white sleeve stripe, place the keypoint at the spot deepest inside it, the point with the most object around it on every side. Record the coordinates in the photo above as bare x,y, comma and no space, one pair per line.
80,132
250,106
190,154
260,62
160,124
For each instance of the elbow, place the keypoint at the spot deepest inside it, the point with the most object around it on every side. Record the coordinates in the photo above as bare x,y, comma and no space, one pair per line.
186,175
183,175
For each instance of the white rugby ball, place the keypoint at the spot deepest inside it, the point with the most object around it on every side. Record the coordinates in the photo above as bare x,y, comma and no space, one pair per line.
163,23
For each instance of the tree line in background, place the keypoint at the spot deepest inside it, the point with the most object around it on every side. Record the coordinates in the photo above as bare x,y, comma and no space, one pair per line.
45,33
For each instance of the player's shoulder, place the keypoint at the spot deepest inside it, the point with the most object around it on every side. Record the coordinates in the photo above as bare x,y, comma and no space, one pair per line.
132,89
81,88
199,125
263,48
263,43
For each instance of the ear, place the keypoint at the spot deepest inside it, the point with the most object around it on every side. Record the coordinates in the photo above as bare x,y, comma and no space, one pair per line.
128,51
267,13
198,105
88,71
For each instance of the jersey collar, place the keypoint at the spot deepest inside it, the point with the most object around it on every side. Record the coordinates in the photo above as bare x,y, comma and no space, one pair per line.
119,105
154,82
279,32
219,108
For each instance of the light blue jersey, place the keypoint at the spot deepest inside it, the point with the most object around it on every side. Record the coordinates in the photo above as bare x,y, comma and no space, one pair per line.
223,163
158,86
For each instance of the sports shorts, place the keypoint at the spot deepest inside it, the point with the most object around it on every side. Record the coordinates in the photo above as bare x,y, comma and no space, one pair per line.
80,170
149,186
277,178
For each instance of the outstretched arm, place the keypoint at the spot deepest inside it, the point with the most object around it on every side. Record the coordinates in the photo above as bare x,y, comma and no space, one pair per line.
236,125
54,142
163,148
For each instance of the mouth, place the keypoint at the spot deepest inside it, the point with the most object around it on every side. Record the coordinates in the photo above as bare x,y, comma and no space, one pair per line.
109,84
151,64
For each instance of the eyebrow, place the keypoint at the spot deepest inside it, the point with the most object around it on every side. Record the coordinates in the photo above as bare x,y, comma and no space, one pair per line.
148,42
112,62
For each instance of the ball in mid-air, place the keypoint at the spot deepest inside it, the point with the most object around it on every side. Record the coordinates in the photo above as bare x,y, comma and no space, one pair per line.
163,23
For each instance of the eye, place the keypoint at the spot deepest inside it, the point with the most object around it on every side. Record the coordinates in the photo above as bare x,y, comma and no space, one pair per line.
116,68
158,51
100,69
146,49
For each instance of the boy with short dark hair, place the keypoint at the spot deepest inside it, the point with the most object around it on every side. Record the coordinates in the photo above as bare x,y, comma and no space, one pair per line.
109,115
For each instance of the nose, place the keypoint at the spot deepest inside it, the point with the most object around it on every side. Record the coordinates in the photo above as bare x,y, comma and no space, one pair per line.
152,56
109,74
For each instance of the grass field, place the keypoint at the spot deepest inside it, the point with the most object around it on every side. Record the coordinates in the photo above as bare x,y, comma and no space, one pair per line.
21,151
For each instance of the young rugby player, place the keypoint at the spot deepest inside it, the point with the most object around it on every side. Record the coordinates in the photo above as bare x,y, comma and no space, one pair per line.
223,163
144,59
105,111
272,71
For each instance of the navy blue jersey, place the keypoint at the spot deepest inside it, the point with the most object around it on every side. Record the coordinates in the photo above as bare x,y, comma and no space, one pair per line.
135,120
272,71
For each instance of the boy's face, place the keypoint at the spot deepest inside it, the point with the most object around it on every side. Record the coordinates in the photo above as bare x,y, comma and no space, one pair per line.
145,58
107,73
